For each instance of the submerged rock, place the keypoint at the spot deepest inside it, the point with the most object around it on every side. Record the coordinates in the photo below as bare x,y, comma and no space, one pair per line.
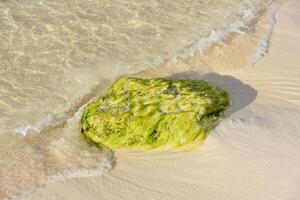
150,113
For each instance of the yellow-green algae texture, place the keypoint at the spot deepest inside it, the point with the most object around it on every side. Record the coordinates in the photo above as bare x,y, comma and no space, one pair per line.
150,113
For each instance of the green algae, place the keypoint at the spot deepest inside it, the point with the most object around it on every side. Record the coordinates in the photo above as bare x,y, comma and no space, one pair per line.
149,113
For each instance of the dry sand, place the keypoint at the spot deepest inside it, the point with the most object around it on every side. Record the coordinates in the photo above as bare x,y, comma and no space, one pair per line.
253,154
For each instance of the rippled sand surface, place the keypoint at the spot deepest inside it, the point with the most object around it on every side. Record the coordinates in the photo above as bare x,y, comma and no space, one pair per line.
56,55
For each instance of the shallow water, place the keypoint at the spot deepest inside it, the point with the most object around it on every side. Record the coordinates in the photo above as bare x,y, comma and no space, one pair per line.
56,55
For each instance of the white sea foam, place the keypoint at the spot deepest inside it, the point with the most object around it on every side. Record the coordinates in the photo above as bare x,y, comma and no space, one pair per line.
104,165
216,36
265,39
68,153
36,126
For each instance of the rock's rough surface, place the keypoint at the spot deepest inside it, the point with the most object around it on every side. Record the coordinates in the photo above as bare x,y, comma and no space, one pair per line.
149,113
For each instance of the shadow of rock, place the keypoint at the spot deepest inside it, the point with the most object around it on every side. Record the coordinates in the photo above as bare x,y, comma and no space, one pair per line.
241,94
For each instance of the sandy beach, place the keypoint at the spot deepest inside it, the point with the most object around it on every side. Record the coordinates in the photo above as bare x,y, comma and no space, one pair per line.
254,153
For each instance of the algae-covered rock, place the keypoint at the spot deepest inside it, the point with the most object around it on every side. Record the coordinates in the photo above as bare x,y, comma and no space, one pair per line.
149,113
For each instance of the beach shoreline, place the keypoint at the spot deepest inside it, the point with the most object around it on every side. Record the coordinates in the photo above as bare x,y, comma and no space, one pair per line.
252,154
